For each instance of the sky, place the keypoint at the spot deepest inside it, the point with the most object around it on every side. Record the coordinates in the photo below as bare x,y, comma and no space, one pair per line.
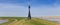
38,8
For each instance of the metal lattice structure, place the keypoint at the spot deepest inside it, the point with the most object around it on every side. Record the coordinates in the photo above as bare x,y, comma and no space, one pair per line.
29,14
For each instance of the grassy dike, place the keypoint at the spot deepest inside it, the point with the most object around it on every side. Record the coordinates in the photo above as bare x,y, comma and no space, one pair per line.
25,21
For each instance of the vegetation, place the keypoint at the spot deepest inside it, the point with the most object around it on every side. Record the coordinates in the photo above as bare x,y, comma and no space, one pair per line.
25,21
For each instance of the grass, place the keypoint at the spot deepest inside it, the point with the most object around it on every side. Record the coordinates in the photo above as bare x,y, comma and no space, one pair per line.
25,21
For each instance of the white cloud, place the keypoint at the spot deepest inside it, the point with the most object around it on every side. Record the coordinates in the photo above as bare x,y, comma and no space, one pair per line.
46,11
9,9
12,10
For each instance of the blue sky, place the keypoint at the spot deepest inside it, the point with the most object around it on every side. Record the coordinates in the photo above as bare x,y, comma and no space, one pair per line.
38,8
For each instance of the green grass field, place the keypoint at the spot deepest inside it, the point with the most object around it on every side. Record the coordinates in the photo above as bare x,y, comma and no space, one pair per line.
25,21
